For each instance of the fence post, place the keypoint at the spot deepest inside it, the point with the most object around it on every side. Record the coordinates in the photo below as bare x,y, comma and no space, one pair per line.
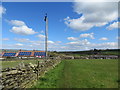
38,70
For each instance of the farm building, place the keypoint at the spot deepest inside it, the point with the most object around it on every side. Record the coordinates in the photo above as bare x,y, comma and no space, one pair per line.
24,54
0,54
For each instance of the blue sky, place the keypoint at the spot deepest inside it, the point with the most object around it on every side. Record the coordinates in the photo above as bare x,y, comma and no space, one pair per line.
72,25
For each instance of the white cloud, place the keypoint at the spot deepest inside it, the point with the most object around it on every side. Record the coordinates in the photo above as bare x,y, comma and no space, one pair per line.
74,46
5,39
95,12
21,28
86,45
103,38
93,15
72,38
77,24
41,36
107,45
2,10
58,42
113,26
85,35
17,22
19,44
41,31
50,42
96,1
80,43
22,39
31,45
28,44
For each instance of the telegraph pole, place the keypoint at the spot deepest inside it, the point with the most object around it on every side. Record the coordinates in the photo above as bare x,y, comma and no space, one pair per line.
46,36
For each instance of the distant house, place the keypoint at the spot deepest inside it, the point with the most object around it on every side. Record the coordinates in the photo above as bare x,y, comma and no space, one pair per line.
103,57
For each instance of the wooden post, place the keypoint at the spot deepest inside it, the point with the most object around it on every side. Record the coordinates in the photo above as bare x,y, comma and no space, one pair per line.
46,37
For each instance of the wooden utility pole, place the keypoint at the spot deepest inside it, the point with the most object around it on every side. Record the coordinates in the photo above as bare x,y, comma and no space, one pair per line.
46,36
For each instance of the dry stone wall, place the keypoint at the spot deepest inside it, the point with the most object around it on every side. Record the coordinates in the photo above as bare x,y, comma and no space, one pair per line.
24,75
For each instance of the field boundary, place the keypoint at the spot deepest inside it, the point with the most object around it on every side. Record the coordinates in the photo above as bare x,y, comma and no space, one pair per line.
25,74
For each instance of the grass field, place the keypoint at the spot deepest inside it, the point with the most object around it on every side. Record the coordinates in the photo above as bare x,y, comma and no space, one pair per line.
81,74
6,64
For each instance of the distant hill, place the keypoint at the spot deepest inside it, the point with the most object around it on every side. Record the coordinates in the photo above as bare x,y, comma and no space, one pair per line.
93,52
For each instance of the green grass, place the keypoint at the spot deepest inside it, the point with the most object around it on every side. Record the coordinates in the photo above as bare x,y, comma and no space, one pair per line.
81,74
6,64
50,78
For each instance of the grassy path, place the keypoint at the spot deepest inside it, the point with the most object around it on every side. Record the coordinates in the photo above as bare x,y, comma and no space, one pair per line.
81,74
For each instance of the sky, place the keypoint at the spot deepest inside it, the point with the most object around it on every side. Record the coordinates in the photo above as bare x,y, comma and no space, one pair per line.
72,26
